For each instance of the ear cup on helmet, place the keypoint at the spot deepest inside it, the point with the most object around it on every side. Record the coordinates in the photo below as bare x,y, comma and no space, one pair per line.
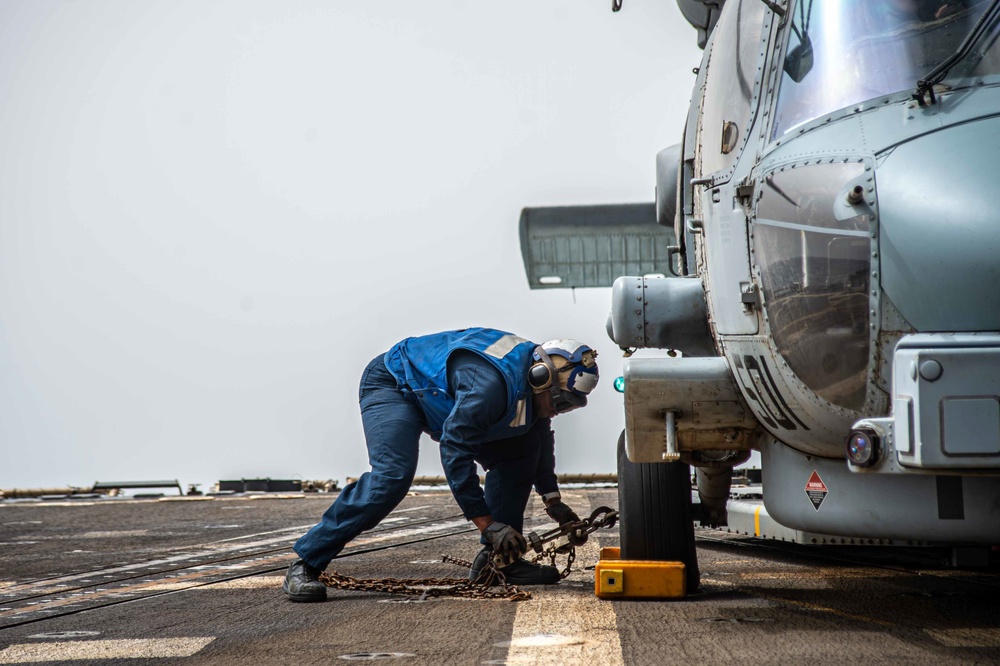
540,376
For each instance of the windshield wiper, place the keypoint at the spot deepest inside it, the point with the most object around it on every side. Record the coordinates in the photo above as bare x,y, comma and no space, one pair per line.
925,86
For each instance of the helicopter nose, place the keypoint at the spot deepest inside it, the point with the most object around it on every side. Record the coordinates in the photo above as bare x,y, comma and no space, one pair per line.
939,228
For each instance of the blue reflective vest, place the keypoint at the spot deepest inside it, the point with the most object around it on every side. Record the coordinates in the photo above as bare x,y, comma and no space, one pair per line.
420,365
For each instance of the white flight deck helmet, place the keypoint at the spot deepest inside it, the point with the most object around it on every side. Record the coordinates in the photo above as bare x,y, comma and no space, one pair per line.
567,369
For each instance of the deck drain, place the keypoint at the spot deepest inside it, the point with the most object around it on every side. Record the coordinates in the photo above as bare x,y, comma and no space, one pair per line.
372,656
66,634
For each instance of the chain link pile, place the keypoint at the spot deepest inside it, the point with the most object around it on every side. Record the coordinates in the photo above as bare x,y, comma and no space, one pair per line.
560,542
427,588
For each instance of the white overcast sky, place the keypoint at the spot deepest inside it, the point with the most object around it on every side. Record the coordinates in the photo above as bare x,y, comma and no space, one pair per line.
213,214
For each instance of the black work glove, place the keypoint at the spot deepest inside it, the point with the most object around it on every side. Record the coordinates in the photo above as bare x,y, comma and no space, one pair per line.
506,541
561,513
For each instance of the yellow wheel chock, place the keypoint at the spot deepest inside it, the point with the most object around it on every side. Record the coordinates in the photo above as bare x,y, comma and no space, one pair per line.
615,578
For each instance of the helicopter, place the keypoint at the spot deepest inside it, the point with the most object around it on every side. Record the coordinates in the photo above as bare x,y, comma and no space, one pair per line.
820,266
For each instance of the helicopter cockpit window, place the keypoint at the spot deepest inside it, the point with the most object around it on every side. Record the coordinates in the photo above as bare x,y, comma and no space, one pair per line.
843,52
727,104
812,249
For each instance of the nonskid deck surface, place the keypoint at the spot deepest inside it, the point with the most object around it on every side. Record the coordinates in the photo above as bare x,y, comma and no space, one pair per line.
189,581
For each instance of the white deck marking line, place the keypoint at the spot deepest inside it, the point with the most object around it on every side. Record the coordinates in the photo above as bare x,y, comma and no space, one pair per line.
249,583
545,626
210,550
137,648
130,590
54,583
413,531
410,508
193,576
297,528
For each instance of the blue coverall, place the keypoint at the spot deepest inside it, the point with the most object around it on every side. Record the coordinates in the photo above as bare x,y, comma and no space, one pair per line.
393,421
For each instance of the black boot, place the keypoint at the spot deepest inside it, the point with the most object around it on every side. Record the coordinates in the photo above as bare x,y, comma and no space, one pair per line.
302,583
519,572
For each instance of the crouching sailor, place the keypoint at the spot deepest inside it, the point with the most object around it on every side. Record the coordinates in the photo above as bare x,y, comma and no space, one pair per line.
485,396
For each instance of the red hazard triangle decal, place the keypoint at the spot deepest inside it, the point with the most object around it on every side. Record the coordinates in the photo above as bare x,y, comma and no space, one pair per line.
816,490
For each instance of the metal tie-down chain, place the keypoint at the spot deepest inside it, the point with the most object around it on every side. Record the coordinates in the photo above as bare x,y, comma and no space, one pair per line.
562,540
426,588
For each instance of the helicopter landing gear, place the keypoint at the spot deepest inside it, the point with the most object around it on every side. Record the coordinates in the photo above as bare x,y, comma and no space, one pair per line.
654,505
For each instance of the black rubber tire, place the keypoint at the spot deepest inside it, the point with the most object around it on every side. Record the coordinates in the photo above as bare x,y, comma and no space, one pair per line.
654,507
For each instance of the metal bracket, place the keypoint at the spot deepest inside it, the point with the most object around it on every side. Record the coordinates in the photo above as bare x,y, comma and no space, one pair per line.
749,296
671,454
